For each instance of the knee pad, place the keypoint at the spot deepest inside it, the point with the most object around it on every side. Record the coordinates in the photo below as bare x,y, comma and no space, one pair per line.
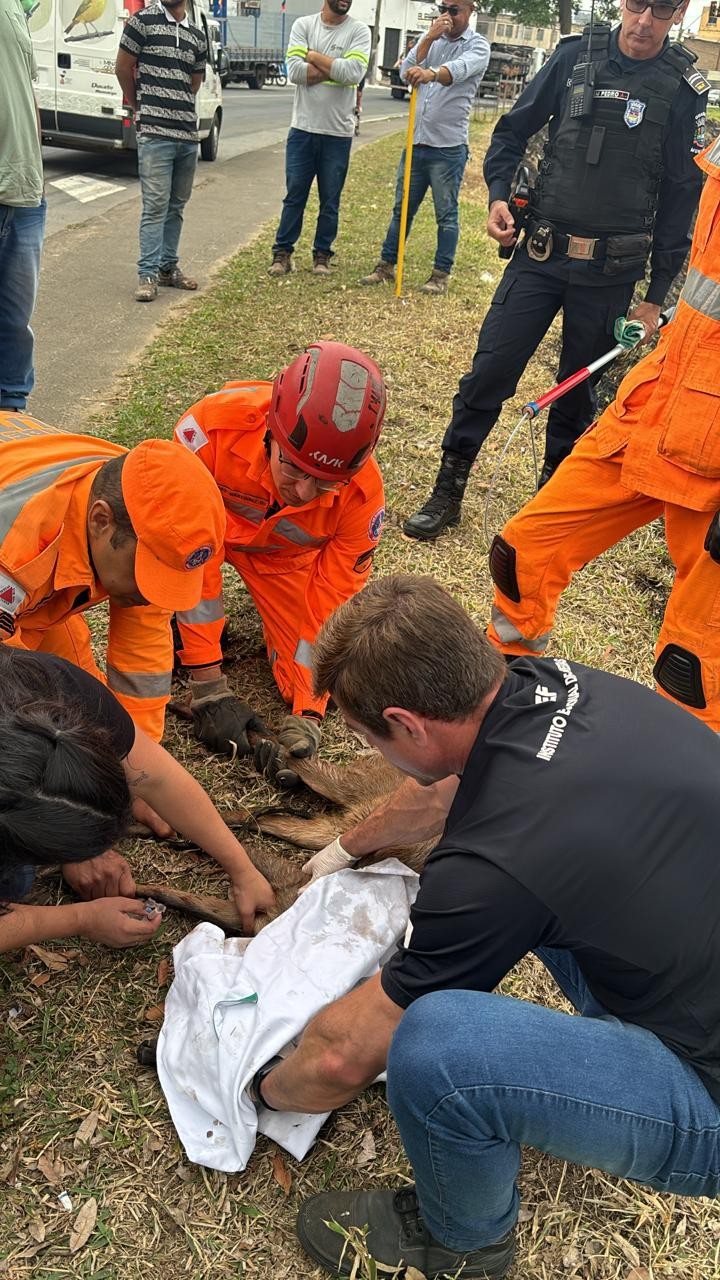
502,568
679,673
712,538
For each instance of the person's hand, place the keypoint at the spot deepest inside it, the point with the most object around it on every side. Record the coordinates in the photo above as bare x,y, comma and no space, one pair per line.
418,75
103,877
220,720
144,813
442,26
117,922
332,858
299,736
252,895
501,224
648,313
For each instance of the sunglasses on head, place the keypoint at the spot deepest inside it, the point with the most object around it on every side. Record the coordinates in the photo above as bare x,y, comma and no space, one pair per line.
660,9
452,9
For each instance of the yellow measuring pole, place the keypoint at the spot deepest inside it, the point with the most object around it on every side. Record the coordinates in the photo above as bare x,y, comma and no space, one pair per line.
406,192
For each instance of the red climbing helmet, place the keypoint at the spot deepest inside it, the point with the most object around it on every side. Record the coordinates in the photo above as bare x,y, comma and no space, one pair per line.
327,410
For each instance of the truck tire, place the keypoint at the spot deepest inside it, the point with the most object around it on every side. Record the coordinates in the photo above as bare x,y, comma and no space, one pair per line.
257,79
398,93
209,145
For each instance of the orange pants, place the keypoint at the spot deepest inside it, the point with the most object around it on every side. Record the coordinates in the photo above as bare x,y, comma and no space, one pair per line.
583,510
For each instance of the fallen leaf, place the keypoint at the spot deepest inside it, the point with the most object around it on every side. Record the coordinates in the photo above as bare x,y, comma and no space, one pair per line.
412,1273
281,1173
571,1257
52,1170
86,1129
52,959
628,1249
155,1013
367,1151
40,979
163,973
638,1273
681,1228
83,1225
37,1229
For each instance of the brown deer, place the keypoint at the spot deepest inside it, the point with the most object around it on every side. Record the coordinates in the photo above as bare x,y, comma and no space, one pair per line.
355,790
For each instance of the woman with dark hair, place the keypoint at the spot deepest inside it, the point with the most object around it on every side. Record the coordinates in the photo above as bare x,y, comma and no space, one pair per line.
71,763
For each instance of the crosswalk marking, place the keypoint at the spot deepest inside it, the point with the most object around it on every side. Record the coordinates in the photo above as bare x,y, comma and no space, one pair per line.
85,188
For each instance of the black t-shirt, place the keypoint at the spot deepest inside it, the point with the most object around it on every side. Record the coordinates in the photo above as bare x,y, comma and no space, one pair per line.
587,818
99,703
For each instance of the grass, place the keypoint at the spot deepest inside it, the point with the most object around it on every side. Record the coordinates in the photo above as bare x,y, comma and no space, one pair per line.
68,1050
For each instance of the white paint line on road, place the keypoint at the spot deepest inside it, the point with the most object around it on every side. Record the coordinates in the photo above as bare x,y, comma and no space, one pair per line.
84,188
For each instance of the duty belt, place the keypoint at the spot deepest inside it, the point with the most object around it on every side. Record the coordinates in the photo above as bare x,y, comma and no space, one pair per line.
542,239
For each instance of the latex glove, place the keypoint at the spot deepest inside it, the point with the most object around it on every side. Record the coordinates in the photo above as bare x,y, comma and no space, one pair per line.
299,736
252,895
332,858
221,720
117,922
103,877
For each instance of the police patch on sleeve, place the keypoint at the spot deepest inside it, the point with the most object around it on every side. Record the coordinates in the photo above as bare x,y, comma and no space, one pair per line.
376,524
190,433
698,142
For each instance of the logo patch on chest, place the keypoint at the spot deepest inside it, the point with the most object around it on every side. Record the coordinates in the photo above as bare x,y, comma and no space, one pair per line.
634,112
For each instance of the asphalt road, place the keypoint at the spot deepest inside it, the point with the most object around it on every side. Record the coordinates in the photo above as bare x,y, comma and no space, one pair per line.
94,182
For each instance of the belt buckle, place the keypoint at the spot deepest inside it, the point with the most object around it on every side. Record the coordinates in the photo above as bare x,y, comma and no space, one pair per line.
581,247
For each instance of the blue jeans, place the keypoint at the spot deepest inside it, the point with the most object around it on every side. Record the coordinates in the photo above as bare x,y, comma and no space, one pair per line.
473,1076
167,169
21,238
308,156
16,882
441,169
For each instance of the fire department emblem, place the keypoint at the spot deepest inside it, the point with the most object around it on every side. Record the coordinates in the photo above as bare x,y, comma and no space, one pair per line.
634,112
11,595
191,434
198,557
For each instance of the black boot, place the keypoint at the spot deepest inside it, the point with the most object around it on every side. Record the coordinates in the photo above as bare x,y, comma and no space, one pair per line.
442,508
548,471
394,1235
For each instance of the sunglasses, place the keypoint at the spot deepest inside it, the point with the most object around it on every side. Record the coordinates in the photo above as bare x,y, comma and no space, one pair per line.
296,473
452,9
659,8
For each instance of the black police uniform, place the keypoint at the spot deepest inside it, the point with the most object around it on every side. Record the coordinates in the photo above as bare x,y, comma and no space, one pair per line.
609,187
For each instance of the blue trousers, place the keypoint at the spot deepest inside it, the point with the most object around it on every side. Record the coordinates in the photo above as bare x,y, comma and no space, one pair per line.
441,169
311,156
472,1077
16,882
166,168
21,238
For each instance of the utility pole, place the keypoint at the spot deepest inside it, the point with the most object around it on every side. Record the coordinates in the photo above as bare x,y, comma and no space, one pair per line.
372,64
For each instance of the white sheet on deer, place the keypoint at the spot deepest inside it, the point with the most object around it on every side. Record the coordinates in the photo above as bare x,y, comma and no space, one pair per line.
236,1002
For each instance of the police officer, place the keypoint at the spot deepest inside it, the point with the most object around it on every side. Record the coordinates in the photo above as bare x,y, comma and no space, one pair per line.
617,185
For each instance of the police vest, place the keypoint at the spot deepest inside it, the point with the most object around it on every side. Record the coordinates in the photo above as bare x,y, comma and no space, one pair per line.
601,174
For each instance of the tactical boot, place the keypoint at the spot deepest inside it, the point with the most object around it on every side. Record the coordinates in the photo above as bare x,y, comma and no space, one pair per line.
442,509
395,1236
437,284
281,263
383,273
548,471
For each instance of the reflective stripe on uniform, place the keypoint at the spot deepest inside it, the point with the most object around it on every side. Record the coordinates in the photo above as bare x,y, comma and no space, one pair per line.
241,509
304,653
295,533
14,496
702,294
206,611
509,634
139,684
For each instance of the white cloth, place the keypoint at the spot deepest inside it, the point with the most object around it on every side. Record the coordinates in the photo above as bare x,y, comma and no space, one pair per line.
235,1003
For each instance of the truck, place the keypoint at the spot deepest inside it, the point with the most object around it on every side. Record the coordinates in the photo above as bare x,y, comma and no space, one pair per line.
254,66
80,101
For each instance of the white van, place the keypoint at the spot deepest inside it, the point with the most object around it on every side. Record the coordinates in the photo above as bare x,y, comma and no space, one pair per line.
81,103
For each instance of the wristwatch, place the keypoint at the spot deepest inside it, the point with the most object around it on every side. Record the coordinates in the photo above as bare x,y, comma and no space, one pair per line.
433,72
255,1086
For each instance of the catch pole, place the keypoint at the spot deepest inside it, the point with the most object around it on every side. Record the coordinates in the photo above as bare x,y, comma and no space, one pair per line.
406,192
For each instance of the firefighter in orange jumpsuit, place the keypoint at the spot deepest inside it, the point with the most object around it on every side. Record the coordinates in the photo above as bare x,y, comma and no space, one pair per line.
655,451
304,504
84,520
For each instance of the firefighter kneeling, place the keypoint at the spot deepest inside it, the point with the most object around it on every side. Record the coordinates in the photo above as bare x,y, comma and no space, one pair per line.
655,451
304,503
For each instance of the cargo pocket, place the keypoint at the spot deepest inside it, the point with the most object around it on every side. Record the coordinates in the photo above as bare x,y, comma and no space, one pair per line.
691,432
649,369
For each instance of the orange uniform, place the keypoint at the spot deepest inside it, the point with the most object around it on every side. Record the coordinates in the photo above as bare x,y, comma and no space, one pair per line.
655,451
47,580
298,563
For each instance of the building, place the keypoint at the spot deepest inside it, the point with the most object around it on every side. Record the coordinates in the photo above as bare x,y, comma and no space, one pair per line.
503,28
709,28
268,25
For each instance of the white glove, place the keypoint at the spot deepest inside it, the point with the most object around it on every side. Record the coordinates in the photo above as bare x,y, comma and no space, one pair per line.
332,858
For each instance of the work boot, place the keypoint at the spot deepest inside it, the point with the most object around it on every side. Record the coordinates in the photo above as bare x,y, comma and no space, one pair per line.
548,471
281,263
438,282
442,509
383,273
321,264
146,289
396,1237
174,278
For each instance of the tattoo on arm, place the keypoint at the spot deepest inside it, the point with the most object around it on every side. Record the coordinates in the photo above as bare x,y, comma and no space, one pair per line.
140,777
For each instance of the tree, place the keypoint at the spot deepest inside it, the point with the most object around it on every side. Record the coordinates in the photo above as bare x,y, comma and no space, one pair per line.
546,13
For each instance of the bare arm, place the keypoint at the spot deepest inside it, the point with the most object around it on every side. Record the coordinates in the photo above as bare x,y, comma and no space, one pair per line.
342,1050
117,922
196,80
411,813
125,65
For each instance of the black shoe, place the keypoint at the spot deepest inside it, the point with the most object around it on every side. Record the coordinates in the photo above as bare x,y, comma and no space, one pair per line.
442,509
394,1235
548,471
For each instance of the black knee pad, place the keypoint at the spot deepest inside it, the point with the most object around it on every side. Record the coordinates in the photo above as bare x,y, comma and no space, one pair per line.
502,568
712,538
679,673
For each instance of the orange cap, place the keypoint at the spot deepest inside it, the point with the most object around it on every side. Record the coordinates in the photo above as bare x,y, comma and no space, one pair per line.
178,516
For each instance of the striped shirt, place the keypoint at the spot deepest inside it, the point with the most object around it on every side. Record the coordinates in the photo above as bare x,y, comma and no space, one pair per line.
169,54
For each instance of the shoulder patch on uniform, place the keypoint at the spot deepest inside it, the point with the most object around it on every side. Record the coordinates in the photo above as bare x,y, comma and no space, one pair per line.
696,80
376,524
698,142
12,595
190,433
363,562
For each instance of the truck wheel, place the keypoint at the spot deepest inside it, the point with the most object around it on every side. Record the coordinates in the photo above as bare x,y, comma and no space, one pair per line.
397,93
209,145
257,80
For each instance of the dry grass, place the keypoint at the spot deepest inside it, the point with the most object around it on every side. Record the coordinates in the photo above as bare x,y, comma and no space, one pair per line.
70,1049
